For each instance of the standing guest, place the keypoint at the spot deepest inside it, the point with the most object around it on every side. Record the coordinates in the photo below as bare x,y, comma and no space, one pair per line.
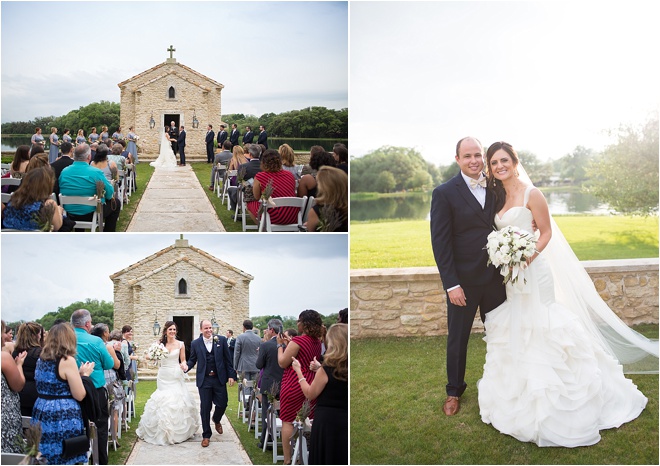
32,199
66,137
318,158
245,353
340,153
271,371
248,137
60,164
231,342
288,161
104,134
30,339
93,136
284,185
102,331
233,137
329,442
305,348
60,389
127,342
222,137
54,150
8,335
209,143
132,146
330,211
342,318
263,136
181,142
116,136
20,162
91,349
80,139
37,138
13,382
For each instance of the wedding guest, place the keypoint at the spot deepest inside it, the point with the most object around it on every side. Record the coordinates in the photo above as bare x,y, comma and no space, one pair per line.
37,138
289,334
93,136
330,212
80,139
231,342
92,149
102,331
245,352
20,162
305,348
54,145
329,442
13,382
66,137
104,134
288,161
101,162
132,145
248,170
32,199
238,158
271,377
318,158
37,149
223,158
60,164
60,388
30,338
38,161
283,183
115,156
127,343
340,153
342,317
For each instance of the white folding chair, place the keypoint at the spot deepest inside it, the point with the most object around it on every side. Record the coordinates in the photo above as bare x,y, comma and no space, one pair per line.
308,206
273,431
300,449
12,458
6,197
121,187
96,224
10,181
255,414
244,399
130,178
218,177
5,167
225,186
130,401
244,213
299,202
94,441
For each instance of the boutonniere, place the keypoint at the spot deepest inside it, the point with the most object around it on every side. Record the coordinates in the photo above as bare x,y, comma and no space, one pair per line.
215,339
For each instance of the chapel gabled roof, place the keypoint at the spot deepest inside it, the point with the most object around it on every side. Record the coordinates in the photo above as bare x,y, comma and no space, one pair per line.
161,65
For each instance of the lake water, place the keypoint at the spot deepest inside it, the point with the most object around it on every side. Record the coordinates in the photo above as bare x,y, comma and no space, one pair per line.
416,206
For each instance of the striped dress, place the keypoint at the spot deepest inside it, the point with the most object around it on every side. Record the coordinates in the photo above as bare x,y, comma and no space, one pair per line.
284,185
291,395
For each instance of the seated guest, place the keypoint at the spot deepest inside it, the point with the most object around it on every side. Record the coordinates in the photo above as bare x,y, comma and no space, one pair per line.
329,442
20,162
61,163
37,149
100,161
13,382
340,153
238,158
318,158
288,161
116,157
30,207
39,160
284,185
330,212
221,157
92,149
248,170
29,339
80,179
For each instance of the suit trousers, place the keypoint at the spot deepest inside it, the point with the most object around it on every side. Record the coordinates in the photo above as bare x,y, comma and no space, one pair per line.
102,425
459,323
264,414
209,154
182,155
212,392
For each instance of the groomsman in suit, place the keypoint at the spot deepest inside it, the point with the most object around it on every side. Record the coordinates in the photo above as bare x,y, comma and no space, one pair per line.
173,131
233,137
267,360
248,137
209,144
214,371
263,136
222,136
181,141
462,214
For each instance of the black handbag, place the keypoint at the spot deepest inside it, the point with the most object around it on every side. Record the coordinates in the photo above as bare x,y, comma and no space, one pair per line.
75,446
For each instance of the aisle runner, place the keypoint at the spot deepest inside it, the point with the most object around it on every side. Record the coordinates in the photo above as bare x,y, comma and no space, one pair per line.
224,449
175,201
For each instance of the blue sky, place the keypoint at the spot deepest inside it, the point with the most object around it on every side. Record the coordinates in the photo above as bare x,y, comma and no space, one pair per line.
292,272
270,56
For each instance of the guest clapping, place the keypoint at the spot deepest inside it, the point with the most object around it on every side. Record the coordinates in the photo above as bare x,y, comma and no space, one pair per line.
283,183
30,338
330,212
318,158
13,382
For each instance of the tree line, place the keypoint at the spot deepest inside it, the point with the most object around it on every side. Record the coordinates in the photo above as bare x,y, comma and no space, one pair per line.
624,175
311,122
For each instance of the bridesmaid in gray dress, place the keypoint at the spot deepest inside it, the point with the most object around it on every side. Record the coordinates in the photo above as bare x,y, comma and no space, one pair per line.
80,138
132,147
66,137
54,145
37,138
93,136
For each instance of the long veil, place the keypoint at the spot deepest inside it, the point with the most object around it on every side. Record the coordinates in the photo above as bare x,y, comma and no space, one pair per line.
575,290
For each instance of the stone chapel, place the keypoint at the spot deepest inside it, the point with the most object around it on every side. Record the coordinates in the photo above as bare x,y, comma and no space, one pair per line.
184,284
169,92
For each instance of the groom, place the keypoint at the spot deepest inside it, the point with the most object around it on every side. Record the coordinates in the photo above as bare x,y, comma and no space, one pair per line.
214,370
462,213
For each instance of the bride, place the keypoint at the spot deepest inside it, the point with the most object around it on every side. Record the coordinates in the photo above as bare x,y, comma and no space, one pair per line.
170,415
166,158
553,373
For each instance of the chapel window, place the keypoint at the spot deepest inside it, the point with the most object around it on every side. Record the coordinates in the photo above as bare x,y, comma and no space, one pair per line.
171,92
183,287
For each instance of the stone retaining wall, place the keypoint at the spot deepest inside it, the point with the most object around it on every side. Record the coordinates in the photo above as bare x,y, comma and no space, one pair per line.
411,301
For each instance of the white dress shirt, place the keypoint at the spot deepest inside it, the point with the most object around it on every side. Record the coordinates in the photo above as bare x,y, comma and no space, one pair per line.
479,192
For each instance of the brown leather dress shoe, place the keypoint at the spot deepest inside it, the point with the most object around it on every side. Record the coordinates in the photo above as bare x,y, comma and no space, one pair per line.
218,428
452,405
205,442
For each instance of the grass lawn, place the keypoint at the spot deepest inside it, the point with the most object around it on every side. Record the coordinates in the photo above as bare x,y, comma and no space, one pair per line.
381,244
203,172
397,391
144,389
143,175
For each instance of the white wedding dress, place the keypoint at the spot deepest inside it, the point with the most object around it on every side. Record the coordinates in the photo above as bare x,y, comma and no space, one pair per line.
547,379
166,158
170,415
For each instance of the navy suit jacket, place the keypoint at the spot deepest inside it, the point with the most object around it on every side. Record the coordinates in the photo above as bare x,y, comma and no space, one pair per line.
263,138
222,137
459,230
209,138
181,140
233,137
223,362
248,137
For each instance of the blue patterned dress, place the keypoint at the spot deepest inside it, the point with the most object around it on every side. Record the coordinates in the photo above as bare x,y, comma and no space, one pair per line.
58,412
21,219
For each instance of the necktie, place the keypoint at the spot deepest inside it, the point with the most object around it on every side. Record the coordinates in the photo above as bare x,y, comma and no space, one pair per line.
480,182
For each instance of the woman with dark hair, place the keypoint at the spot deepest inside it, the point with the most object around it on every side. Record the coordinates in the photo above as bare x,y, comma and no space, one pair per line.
66,137
20,162
284,185
330,211
171,414
329,443
37,139
318,158
127,347
30,338
13,382
60,389
30,207
101,162
93,136
306,347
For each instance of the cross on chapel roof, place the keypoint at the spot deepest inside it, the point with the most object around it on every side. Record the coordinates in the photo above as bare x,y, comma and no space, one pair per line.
171,50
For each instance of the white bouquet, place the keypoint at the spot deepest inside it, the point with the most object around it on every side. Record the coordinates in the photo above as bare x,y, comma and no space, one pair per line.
508,249
156,352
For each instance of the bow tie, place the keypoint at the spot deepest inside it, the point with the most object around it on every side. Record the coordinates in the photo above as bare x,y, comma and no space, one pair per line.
482,181
210,340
